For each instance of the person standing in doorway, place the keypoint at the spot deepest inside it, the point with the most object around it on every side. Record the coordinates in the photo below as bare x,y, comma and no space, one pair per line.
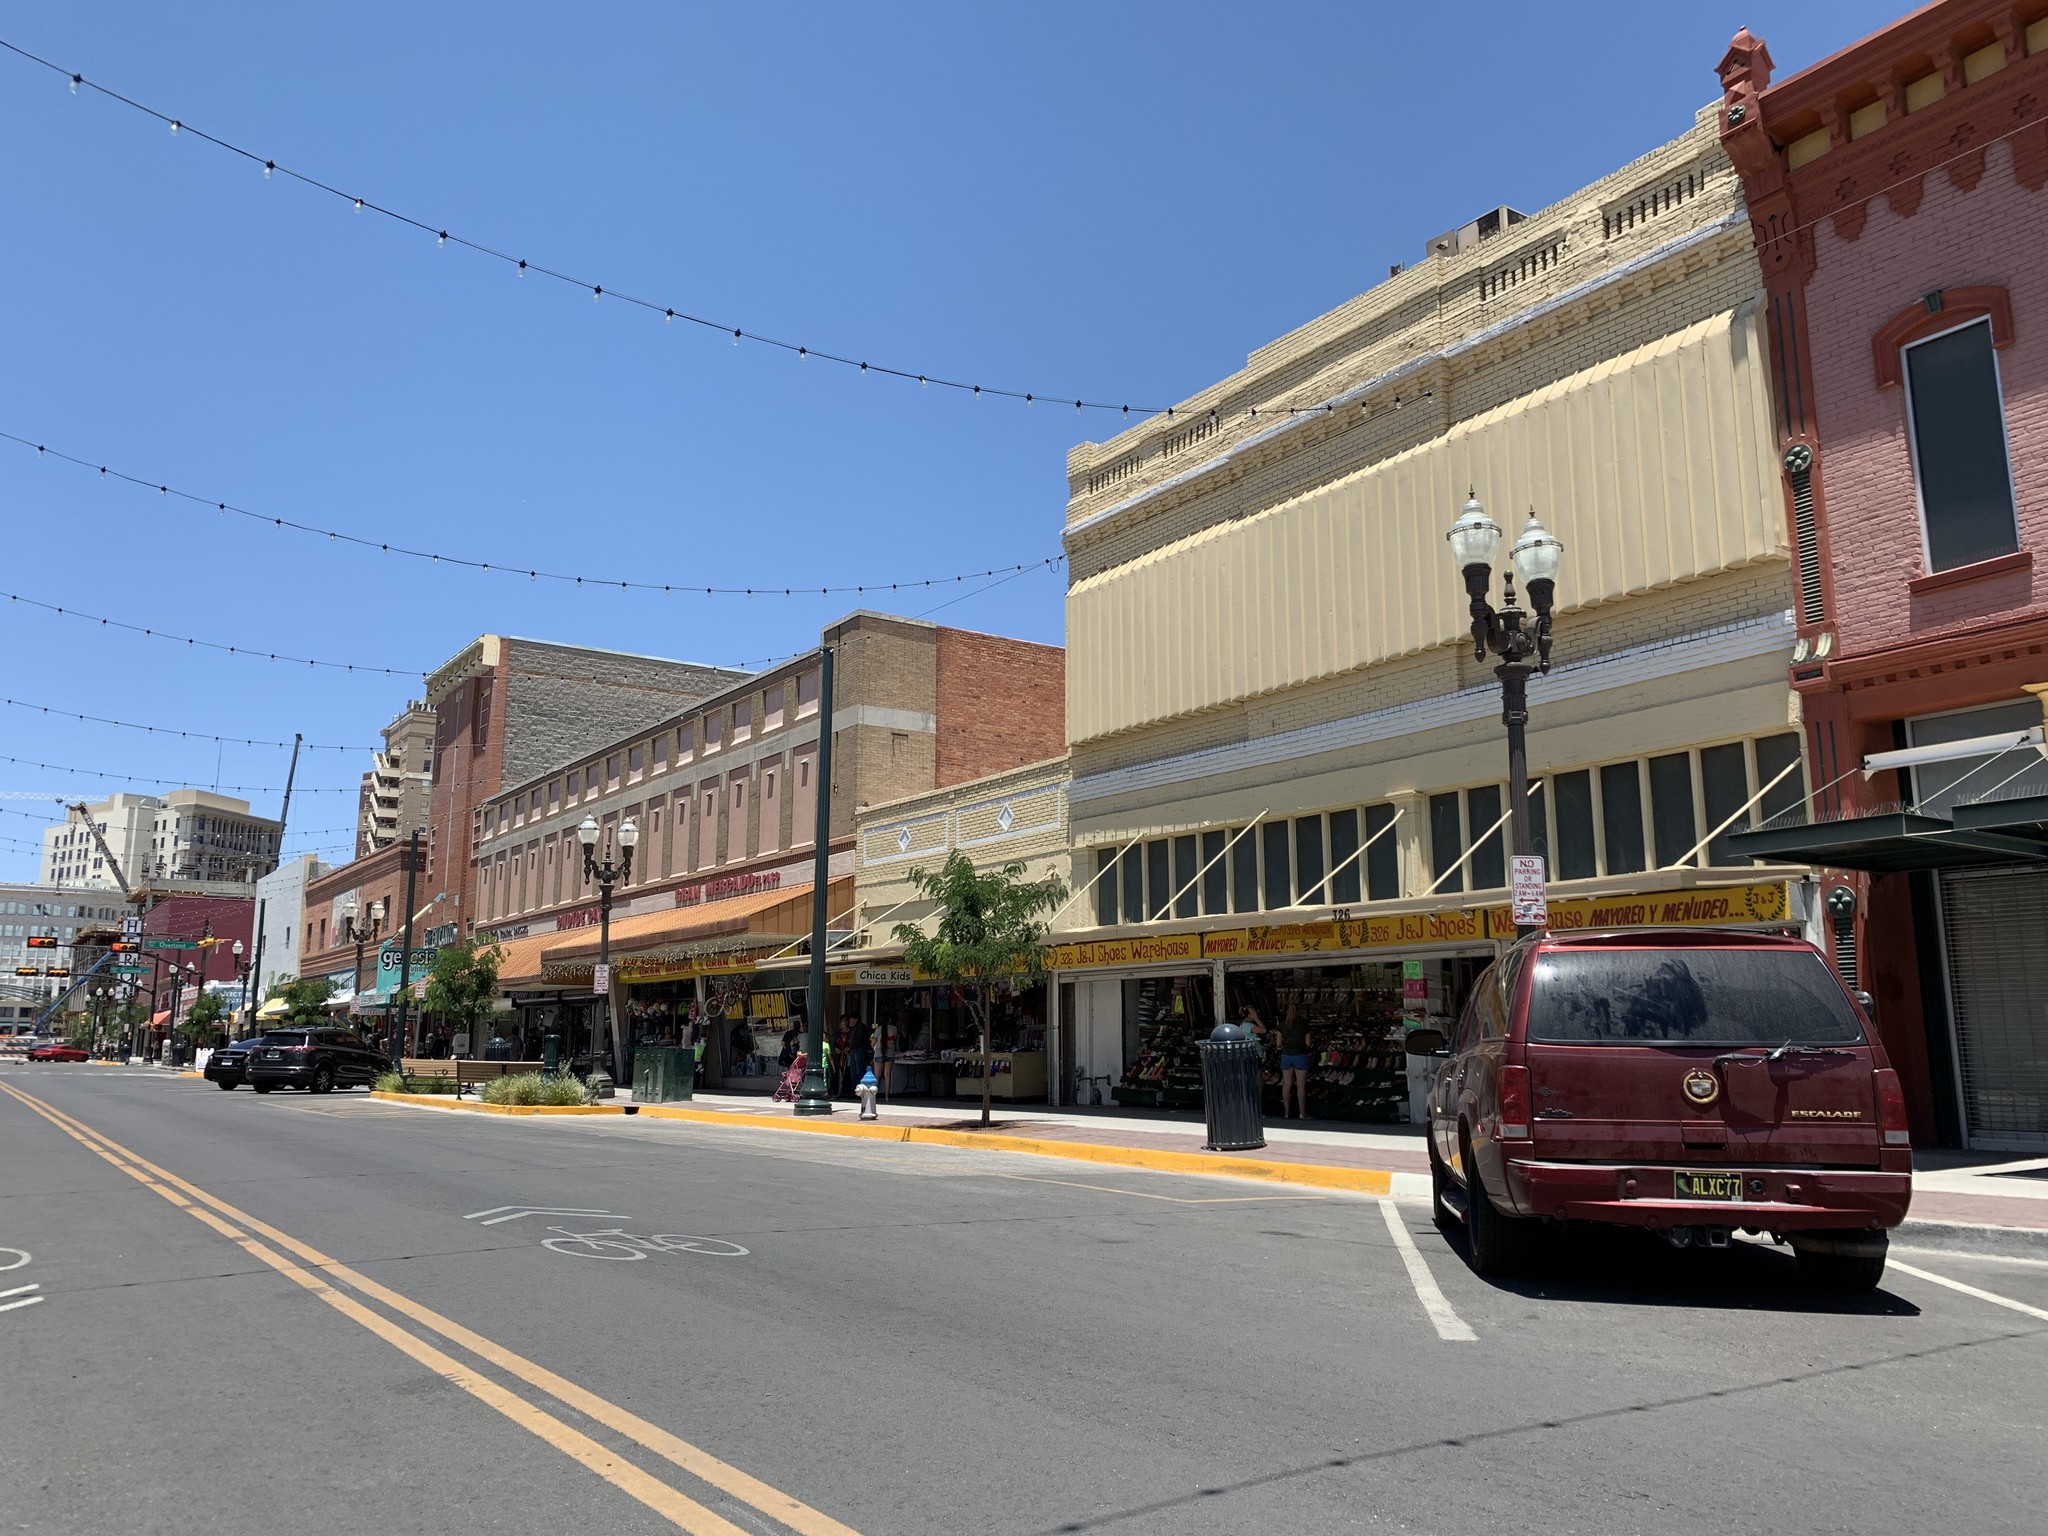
1294,1060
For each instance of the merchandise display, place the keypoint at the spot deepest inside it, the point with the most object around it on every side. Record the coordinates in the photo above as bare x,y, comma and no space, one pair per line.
1173,1015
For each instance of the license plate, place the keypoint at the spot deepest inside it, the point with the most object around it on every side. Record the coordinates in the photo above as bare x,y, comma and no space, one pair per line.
1708,1186
270,1055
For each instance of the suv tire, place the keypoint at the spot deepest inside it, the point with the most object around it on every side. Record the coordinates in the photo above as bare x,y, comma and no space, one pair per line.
323,1079
261,1087
1500,1245
1440,1181
225,1082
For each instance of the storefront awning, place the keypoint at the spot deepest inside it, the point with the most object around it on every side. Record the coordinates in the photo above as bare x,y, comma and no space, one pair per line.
519,960
2019,816
1888,842
758,912
276,1008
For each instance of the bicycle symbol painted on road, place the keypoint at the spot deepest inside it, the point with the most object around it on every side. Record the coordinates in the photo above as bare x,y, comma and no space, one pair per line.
618,1244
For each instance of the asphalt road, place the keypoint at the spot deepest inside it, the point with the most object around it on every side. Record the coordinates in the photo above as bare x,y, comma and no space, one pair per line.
317,1315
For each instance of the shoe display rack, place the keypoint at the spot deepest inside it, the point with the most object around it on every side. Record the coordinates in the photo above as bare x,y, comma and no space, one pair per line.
1173,1018
1356,1025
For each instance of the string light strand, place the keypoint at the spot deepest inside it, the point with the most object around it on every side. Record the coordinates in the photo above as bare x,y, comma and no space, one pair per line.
143,778
363,668
669,313
168,730
531,573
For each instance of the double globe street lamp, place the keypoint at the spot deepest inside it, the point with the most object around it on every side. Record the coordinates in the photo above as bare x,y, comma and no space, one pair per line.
1522,647
607,874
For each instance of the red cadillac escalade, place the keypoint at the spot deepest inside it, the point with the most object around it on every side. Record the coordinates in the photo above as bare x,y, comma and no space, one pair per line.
1693,1082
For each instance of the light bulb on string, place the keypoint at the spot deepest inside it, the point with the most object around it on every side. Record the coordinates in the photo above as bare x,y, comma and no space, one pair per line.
359,205
735,335
268,167
442,238
76,82
174,127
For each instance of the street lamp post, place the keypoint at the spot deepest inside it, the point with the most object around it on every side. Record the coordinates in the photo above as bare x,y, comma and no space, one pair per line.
1522,648
241,980
606,874
99,1016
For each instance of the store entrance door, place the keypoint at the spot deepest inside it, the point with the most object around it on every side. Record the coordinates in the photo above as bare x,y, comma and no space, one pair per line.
1995,934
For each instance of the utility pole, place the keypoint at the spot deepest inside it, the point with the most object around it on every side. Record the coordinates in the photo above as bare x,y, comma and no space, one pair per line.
814,1097
283,812
412,878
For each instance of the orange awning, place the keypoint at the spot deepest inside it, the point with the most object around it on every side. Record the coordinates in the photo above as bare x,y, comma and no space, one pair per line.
519,959
757,912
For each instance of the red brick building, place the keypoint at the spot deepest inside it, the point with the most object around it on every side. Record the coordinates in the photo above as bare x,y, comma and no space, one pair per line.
1897,195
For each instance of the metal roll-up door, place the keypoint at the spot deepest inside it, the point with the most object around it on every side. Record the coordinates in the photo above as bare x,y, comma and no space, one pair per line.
1995,931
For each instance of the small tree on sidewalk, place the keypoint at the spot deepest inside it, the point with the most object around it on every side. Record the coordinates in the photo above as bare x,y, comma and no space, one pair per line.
988,930
304,999
464,983
203,1022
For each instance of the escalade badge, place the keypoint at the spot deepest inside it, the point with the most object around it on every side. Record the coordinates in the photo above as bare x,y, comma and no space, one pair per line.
1701,1086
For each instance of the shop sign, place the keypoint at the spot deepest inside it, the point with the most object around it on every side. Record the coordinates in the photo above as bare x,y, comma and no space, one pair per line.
1762,903
447,933
389,956
1525,887
875,976
1146,950
728,886
1455,927
582,917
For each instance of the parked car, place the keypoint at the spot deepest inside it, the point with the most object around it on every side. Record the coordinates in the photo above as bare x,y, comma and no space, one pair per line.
318,1060
56,1050
1694,1083
225,1066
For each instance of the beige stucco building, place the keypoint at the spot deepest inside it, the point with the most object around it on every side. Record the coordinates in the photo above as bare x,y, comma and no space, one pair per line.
1269,665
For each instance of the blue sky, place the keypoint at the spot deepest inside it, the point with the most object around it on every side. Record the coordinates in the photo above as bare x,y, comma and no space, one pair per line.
1118,201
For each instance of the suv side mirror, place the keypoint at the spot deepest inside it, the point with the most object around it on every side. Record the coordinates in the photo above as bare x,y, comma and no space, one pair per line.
1867,1003
1427,1042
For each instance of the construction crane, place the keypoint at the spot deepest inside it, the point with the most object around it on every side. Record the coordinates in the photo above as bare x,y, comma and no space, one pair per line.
113,864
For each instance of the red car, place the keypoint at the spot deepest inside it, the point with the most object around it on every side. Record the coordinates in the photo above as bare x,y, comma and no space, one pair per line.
56,1051
1694,1083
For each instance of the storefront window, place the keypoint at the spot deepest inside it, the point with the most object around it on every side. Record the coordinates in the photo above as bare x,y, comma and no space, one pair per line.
1308,861
1185,864
1215,872
1279,883
1345,883
1105,887
1621,817
1671,818
1446,842
1132,877
1383,858
1155,874
1488,865
1577,854
1165,1019
1244,874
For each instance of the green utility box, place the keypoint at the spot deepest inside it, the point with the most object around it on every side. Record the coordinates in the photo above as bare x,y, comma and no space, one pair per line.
663,1074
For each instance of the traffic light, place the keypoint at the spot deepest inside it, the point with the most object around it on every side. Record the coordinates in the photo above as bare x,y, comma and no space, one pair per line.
57,970
42,941
26,970
124,946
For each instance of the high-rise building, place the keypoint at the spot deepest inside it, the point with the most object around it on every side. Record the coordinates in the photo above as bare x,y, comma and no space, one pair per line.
203,836
394,793
43,911
71,856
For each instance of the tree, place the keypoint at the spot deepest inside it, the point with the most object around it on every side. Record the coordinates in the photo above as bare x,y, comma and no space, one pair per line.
203,1021
463,984
304,999
989,931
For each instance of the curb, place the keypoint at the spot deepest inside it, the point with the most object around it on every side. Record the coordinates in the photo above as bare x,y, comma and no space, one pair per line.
425,1101
1361,1181
1963,1237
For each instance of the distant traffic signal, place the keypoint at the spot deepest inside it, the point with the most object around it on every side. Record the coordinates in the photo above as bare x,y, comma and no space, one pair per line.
42,941
57,970
26,970
124,946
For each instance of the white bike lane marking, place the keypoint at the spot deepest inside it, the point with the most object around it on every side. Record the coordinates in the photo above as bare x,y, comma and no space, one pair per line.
498,1213
1449,1326
16,1297
619,1245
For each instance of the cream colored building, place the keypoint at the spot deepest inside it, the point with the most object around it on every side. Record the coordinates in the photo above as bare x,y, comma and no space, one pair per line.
1269,664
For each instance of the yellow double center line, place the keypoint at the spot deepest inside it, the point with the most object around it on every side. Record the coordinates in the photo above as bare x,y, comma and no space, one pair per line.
684,1512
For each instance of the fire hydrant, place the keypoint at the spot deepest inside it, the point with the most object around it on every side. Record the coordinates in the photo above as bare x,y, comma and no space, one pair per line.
865,1091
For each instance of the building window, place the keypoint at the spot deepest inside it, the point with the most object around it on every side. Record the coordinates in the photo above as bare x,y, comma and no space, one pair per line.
1131,876
1488,866
1578,853
1621,817
590,782
685,735
1215,869
743,720
611,772
1960,463
1105,887
771,708
635,764
1278,885
1446,842
554,795
714,731
807,694
1672,826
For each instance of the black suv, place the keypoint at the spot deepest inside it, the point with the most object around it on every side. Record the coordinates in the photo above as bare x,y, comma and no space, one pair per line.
226,1064
318,1060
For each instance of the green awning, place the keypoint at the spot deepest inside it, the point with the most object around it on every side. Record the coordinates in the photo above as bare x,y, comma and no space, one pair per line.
1888,842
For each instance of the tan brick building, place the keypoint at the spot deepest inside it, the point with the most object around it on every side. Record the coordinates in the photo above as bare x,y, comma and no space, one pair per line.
724,799
1287,767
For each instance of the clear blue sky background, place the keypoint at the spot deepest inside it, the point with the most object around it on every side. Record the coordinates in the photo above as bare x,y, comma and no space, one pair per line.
1116,200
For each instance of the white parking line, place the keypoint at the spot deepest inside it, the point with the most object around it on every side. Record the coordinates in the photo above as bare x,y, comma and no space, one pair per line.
1970,1290
1449,1326
20,1291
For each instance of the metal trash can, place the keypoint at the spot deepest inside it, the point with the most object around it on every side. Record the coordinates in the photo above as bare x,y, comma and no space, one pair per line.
1231,1057
664,1073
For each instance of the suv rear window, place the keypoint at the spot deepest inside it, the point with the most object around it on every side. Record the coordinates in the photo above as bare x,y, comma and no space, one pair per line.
285,1038
1720,997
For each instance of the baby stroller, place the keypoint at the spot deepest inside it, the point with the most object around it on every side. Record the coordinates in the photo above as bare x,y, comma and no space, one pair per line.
792,1080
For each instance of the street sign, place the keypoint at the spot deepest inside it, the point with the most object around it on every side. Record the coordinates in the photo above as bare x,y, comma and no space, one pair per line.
131,927
601,980
169,944
1525,890
129,970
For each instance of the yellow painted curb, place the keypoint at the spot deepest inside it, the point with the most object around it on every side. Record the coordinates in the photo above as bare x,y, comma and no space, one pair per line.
1214,1165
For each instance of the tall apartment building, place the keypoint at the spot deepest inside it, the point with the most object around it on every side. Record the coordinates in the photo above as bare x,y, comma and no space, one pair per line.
395,791
127,822
202,836
1287,762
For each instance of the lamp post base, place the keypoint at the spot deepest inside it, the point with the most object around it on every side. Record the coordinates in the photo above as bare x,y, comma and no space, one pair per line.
815,1096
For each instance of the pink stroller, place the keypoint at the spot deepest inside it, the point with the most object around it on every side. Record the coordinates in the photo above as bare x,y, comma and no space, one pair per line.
792,1080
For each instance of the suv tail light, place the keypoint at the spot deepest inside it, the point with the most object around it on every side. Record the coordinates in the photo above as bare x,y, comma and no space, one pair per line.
1514,1103
1891,1109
